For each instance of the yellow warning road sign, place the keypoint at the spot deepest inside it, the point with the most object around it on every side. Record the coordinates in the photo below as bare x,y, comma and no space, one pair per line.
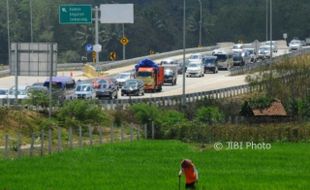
124,41
112,56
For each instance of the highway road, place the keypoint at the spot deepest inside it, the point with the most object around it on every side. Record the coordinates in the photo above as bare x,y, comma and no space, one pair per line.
209,82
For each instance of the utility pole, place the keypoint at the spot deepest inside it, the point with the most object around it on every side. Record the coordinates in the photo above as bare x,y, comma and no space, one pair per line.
270,30
200,24
124,46
8,28
184,46
31,30
96,31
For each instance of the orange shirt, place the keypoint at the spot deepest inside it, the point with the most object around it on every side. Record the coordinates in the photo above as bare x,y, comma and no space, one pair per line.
190,174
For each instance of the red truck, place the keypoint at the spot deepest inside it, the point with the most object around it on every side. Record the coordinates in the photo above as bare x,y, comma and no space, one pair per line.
151,74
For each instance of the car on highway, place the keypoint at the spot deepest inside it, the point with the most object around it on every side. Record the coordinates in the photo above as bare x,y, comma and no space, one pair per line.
252,54
237,48
195,68
224,59
84,91
210,64
241,58
170,74
295,45
195,57
4,93
273,45
122,77
22,92
169,61
263,52
133,87
106,88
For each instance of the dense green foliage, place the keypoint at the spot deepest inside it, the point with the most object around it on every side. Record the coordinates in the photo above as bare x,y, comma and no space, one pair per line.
155,164
158,25
289,82
81,113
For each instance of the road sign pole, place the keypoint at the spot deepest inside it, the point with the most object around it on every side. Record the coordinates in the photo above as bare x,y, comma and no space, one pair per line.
124,46
16,73
96,31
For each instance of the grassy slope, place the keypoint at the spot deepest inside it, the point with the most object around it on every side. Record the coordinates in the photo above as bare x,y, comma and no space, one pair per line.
154,165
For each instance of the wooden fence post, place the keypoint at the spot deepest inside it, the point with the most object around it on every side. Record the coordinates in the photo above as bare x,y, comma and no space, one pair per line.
70,138
131,133
42,143
145,131
112,133
6,144
90,131
49,141
80,137
31,145
153,130
18,145
100,135
59,139
138,132
122,133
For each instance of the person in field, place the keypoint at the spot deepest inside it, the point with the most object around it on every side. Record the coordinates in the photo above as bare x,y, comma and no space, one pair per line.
190,172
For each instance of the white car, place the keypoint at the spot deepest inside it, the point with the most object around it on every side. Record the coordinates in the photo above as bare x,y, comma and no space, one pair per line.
195,69
237,48
195,57
263,52
295,45
273,45
85,91
21,92
123,77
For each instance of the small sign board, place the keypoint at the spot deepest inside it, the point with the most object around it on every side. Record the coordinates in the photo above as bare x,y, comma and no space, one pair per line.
116,13
75,14
124,41
97,48
88,48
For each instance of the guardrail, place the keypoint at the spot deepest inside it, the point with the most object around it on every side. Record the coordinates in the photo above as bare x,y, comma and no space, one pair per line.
110,65
177,99
253,66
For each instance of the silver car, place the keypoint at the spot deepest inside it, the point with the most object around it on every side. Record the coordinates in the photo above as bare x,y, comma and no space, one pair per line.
85,91
295,45
195,69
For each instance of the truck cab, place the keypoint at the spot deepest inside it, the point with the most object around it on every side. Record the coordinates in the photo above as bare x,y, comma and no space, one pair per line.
151,74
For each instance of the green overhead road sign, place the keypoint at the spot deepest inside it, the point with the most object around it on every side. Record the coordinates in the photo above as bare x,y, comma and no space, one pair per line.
75,14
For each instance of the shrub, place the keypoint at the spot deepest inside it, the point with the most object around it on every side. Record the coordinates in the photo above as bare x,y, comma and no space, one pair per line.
210,115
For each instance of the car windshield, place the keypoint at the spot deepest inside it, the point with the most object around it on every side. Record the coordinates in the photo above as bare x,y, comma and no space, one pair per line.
144,74
168,72
193,65
209,60
83,88
194,57
295,42
131,84
3,92
123,76
237,57
221,57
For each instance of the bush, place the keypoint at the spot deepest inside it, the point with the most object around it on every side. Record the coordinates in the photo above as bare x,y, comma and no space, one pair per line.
82,113
210,115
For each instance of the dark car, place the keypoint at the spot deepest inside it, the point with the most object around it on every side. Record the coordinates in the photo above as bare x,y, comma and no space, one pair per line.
133,87
106,88
210,64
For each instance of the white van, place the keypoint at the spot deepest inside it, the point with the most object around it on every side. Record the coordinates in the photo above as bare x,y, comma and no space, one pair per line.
224,58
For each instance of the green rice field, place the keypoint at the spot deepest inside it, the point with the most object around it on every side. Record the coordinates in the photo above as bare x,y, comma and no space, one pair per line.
147,165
